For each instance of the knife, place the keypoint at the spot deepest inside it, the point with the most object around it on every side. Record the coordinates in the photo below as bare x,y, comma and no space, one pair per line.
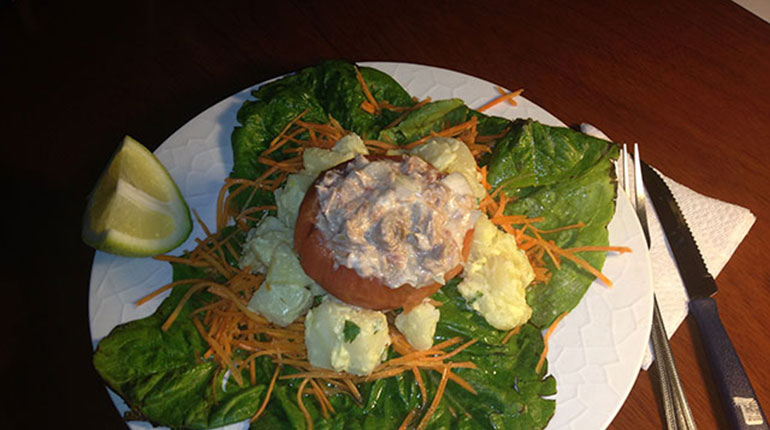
735,391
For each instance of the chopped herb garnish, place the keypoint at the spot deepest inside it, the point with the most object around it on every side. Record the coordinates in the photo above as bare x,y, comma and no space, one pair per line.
317,300
350,331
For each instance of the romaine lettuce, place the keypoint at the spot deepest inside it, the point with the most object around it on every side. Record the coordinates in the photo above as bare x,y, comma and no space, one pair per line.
553,172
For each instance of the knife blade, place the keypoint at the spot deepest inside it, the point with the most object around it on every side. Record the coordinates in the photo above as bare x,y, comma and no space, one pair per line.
738,399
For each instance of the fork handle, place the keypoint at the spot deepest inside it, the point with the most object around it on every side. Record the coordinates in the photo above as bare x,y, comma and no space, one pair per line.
677,410
664,381
735,390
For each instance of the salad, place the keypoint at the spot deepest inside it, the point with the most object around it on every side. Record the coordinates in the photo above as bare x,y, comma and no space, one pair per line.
173,369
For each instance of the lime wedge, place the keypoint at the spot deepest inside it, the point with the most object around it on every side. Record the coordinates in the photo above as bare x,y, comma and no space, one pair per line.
136,209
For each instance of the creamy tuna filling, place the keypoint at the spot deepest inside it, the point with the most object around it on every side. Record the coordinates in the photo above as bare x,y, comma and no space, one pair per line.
401,222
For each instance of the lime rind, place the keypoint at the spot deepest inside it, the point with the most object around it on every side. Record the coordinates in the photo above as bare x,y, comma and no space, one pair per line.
155,218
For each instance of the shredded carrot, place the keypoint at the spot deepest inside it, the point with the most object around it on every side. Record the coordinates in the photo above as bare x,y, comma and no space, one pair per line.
510,334
308,418
460,381
267,395
322,400
284,138
405,111
205,228
452,131
547,336
484,171
436,399
492,137
325,399
387,373
502,92
585,265
417,104
405,424
459,349
224,292
503,201
380,147
420,384
170,320
291,164
368,107
447,343
497,191
166,287
252,372
287,127
180,260
513,219
254,209
368,94
500,99
331,132
235,373
353,390
223,270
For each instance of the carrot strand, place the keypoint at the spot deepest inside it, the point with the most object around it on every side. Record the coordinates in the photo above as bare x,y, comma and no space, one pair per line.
367,93
267,395
405,424
500,99
546,337
436,399
301,405
510,334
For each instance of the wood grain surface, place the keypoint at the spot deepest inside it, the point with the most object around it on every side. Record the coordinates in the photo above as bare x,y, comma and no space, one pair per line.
689,80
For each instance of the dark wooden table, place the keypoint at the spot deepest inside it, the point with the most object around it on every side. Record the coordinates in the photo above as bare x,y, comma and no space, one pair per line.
689,80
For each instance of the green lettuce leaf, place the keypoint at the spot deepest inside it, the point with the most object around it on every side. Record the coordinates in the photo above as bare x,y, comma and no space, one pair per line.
510,394
422,121
158,374
437,115
329,89
159,377
553,172
565,177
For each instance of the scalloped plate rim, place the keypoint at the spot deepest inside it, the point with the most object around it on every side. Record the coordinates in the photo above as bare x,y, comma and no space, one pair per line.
588,397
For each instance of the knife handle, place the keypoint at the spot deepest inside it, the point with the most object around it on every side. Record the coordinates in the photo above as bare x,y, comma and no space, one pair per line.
735,390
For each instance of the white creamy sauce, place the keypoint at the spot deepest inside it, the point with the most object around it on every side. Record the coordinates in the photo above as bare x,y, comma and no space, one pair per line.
402,222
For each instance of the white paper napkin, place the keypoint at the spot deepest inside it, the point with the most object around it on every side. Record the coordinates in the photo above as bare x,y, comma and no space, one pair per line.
718,228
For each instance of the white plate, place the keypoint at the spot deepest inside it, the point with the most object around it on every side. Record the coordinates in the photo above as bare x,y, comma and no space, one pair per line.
595,353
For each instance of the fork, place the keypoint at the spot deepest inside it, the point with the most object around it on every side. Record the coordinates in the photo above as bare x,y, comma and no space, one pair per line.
675,407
